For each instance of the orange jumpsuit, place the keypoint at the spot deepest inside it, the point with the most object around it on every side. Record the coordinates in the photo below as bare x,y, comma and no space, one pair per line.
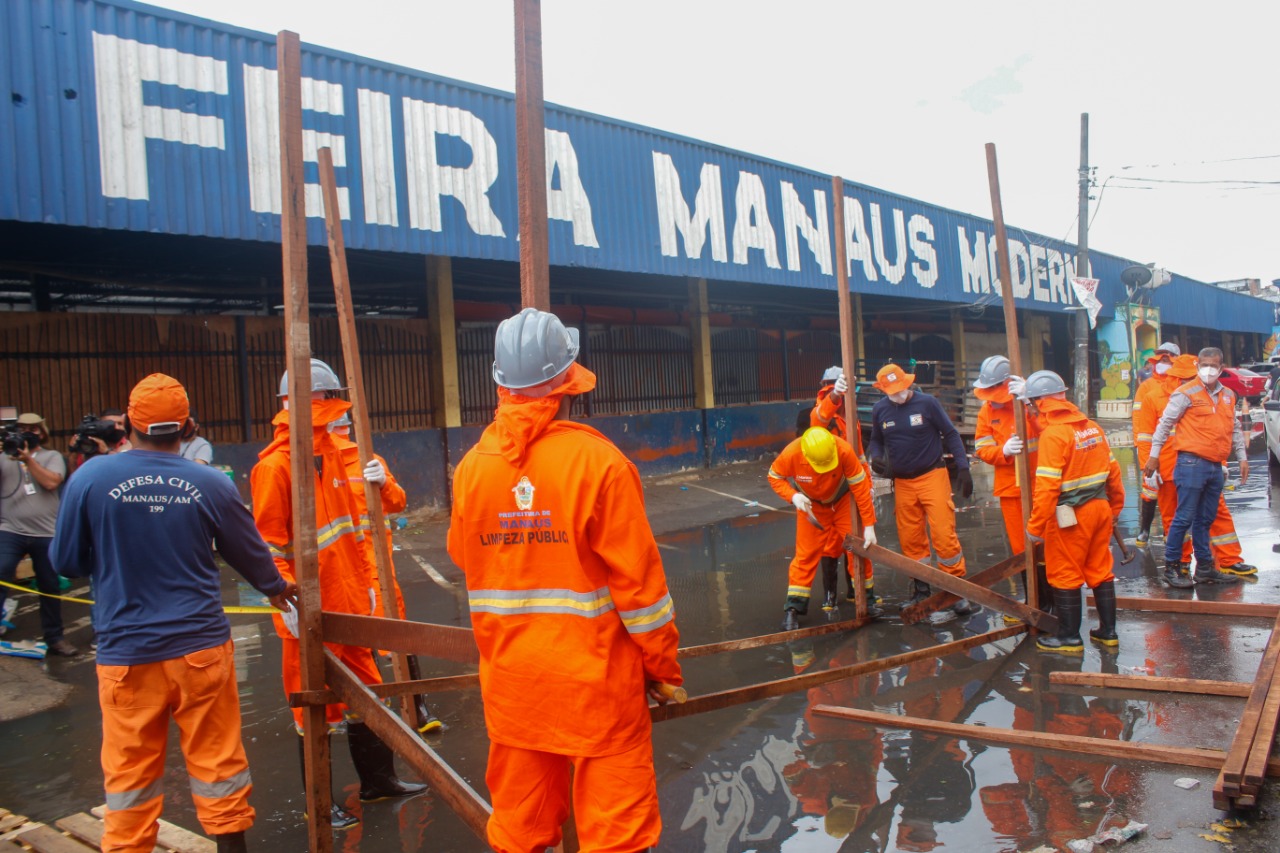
830,495
344,580
996,425
572,617
393,500
1148,406
829,413
1075,468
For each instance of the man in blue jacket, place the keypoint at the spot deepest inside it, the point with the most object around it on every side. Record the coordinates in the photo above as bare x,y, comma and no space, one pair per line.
142,524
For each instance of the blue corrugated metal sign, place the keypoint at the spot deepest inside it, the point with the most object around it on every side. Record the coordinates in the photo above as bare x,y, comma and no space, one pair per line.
128,116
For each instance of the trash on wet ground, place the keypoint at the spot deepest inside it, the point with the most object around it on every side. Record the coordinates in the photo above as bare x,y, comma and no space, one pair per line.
1114,835
1187,784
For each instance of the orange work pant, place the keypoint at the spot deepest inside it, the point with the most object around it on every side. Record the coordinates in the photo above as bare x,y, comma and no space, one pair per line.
198,692
1011,509
1080,554
359,660
1223,540
615,800
813,544
925,511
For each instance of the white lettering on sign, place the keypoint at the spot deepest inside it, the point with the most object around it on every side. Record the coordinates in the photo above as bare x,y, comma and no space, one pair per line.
975,275
925,268
893,272
429,180
856,242
707,220
377,162
1020,269
815,234
262,131
751,227
566,198
125,122
1039,273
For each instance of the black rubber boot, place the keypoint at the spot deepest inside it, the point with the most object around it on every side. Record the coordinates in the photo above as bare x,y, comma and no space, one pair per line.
1178,575
919,592
426,721
1069,611
339,818
874,610
790,621
1104,599
231,842
1207,572
1146,515
376,766
1044,592
830,582
1244,570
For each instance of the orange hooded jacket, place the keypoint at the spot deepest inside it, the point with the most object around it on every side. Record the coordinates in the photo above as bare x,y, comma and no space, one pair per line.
569,601
1074,458
1148,405
995,426
829,414
394,499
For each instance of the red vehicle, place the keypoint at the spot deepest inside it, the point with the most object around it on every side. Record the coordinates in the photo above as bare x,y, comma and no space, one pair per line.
1245,383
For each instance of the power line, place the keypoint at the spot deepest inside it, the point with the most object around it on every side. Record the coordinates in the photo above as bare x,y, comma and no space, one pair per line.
1182,181
1204,162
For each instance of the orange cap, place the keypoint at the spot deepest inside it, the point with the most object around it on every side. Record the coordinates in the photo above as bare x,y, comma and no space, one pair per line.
158,405
891,379
1184,367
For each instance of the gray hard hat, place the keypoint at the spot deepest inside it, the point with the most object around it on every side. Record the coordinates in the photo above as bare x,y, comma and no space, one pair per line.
831,374
1168,347
322,379
993,371
531,348
1042,383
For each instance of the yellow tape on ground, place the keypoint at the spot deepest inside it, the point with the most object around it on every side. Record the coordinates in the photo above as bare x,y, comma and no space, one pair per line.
226,609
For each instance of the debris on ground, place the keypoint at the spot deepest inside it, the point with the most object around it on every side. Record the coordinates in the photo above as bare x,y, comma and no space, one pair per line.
1186,783
1115,835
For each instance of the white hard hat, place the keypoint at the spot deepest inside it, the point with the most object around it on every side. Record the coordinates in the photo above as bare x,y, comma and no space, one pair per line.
831,374
322,379
993,371
531,348
1042,383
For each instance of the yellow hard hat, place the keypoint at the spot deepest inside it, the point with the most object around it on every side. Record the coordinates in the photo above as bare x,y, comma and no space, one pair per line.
819,448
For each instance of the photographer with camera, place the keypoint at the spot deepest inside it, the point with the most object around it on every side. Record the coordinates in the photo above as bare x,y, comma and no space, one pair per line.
98,436
29,479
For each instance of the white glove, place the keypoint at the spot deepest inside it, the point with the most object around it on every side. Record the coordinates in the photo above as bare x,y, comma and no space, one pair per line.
373,601
290,618
1017,386
842,385
1154,481
869,536
801,502
1013,446
375,473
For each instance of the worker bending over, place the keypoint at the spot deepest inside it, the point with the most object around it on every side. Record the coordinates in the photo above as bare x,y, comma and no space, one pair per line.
1203,413
569,604
344,579
909,431
816,473
1078,495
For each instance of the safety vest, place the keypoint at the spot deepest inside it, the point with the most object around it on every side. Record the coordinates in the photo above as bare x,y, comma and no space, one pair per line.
1205,427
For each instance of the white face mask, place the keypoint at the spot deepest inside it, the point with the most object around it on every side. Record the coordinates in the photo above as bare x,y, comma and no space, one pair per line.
1162,368
900,397
1209,375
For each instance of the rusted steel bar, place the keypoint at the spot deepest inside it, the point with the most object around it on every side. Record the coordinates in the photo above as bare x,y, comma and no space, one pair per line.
1154,683
955,585
988,578
1193,605
769,689
445,642
531,158
446,783
1022,463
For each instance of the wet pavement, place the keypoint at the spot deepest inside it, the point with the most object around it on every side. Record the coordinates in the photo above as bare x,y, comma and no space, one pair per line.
773,775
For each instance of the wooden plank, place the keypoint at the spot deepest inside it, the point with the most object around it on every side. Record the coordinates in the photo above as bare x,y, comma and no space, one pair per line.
1097,747
46,839
173,837
11,821
1233,765
955,585
446,642
531,158
83,827
988,578
771,639
1255,767
1152,682
1195,605
779,687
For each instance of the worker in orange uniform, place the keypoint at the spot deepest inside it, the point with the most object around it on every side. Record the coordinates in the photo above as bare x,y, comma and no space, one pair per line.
909,430
394,499
1078,495
344,578
1148,407
828,412
817,473
1203,414
142,526
569,604
1148,403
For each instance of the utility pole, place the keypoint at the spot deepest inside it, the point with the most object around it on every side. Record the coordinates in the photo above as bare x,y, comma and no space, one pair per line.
1081,357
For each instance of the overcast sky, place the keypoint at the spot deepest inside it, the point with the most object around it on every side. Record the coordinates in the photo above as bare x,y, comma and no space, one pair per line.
1182,98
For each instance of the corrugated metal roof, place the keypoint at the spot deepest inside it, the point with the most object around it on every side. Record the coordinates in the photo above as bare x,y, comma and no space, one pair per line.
127,116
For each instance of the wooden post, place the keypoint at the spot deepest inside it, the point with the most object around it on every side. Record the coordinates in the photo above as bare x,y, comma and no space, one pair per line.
1015,362
297,323
360,409
958,351
531,158
848,362
446,399
1036,327
704,388
859,333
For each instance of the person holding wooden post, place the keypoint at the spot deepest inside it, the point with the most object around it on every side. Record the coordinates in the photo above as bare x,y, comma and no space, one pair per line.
569,603
1078,495
817,473
344,581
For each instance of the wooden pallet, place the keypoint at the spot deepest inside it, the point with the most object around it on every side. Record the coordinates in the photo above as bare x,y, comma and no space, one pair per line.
82,833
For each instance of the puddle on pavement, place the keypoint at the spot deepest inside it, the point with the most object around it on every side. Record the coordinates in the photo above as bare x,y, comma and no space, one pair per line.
773,775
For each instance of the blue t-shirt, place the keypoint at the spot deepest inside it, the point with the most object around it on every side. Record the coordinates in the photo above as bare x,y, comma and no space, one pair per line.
914,434
142,524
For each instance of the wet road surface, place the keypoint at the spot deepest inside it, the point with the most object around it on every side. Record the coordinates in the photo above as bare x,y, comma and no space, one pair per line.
774,776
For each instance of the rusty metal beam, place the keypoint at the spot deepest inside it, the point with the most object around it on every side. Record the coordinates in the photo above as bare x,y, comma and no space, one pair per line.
445,642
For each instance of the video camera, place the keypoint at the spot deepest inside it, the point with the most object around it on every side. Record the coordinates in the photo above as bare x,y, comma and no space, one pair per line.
91,427
15,439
